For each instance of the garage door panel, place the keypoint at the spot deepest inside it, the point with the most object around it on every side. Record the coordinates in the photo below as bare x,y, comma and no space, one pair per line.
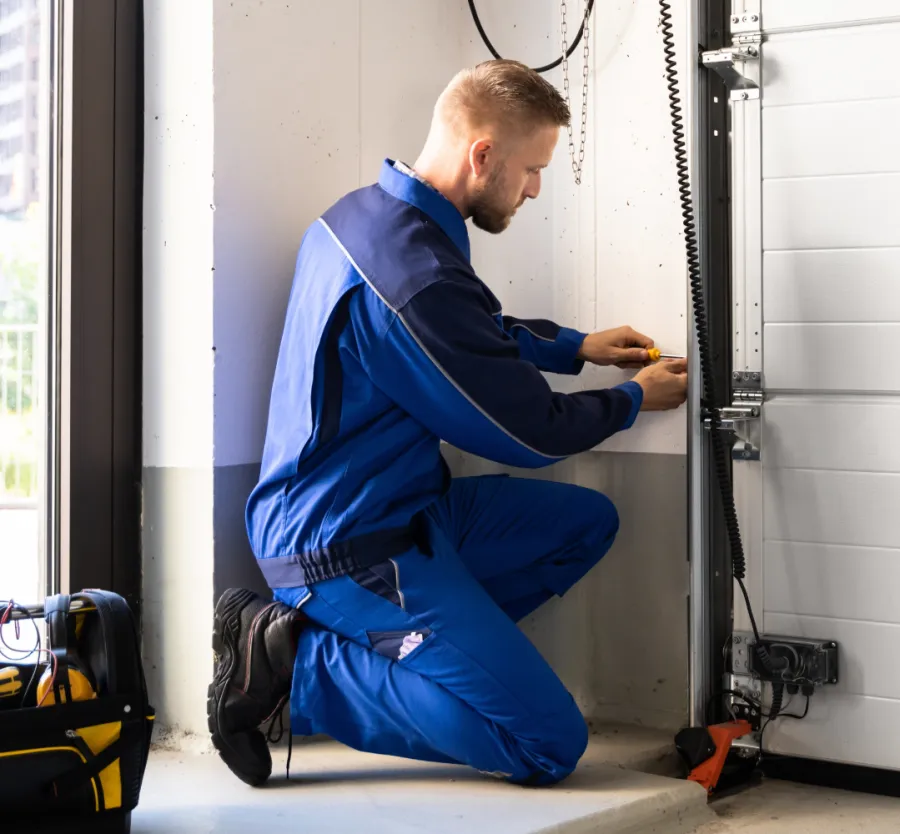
783,14
864,650
857,137
848,508
819,580
831,433
832,212
831,357
825,66
854,729
851,285
822,525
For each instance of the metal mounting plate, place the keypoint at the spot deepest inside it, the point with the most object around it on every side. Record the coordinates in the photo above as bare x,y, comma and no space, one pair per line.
746,22
747,380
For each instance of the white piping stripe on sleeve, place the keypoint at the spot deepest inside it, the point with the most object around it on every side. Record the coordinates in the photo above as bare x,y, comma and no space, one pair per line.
431,358
536,335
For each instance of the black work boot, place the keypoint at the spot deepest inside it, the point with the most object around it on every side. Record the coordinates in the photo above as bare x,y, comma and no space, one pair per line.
255,642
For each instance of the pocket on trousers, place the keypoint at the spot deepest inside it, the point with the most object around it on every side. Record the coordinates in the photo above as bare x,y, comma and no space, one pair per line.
382,579
398,645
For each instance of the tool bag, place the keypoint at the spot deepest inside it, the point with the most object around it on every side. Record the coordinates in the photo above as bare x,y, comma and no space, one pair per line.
75,727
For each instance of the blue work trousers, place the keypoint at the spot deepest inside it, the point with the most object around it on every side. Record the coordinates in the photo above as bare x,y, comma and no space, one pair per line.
421,656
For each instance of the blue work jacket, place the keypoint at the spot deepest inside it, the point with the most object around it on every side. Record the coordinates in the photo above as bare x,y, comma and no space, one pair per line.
392,343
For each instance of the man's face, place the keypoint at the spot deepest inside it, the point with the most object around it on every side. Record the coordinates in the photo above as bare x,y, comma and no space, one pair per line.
505,178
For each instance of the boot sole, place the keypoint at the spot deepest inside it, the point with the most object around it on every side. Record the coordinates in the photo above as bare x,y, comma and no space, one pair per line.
226,631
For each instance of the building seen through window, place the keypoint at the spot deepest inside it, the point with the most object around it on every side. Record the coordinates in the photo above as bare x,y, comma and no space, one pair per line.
25,107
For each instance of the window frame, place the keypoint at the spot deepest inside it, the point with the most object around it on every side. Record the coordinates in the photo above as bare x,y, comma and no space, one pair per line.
94,324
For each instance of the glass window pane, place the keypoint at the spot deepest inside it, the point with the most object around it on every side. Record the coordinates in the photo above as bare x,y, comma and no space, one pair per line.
26,108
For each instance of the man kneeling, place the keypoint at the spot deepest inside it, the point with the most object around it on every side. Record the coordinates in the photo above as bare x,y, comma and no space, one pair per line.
398,589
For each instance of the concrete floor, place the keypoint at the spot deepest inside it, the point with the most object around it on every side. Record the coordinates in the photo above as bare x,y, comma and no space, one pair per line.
786,808
338,791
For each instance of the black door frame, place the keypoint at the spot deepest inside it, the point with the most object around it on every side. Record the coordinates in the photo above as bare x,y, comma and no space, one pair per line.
716,237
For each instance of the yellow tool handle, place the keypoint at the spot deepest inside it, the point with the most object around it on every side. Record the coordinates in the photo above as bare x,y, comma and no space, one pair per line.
10,681
655,355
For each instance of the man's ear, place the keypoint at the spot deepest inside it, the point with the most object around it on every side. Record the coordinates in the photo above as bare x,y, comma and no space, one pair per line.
479,155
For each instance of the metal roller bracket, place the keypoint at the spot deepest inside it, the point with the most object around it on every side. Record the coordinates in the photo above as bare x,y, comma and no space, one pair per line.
724,62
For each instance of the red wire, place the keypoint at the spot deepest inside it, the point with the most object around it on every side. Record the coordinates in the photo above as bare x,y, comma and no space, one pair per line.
54,663
4,619
55,667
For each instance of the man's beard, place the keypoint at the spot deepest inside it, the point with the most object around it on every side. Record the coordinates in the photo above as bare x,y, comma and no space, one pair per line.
487,210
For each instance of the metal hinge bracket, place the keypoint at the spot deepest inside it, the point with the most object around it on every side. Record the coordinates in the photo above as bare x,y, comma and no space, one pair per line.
742,417
752,40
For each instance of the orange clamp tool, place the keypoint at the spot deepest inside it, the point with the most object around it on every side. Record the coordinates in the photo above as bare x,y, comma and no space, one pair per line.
707,773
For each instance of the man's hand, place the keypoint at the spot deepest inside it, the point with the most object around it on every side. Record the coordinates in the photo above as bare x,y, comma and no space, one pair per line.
622,347
664,384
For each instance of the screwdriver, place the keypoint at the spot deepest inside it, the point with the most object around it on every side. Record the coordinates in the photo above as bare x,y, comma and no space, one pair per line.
655,355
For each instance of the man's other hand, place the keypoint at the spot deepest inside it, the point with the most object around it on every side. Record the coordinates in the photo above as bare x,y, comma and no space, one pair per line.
622,347
664,384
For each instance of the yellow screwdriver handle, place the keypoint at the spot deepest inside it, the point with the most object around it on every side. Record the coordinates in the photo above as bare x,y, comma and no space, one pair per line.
656,354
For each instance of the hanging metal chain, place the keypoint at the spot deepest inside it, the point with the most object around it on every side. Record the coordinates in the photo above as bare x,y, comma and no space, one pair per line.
577,160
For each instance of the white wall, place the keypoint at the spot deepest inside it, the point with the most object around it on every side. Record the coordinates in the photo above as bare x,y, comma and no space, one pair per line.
177,513
259,115
178,235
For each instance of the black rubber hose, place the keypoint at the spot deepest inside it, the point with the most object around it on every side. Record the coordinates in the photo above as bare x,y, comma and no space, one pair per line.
710,399
547,67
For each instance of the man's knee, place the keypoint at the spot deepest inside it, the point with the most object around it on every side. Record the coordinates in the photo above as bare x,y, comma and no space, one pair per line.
595,524
572,734
604,516
586,513
584,534
563,740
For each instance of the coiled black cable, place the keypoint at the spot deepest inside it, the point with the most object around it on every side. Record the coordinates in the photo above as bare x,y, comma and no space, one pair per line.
709,399
546,67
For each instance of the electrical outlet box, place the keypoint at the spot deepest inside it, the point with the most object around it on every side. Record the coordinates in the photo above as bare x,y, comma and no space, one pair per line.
798,662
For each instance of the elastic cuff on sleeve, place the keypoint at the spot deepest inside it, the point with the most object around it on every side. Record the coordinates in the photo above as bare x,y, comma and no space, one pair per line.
569,342
636,393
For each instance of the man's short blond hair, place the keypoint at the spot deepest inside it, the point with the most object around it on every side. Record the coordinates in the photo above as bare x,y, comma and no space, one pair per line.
505,93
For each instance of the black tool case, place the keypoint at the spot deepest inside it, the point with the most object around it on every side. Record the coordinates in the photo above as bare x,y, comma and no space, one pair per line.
77,765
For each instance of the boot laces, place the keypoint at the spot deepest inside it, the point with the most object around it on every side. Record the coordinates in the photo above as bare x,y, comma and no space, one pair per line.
274,736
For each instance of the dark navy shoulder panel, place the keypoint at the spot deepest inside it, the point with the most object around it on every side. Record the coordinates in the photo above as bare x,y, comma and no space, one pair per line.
405,185
397,248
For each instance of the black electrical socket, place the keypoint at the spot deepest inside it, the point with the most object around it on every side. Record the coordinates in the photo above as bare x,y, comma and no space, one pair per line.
797,662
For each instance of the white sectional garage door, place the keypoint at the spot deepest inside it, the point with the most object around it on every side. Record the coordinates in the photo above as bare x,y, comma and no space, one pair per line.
816,164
